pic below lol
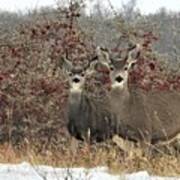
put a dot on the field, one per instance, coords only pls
(34, 90)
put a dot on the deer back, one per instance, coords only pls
(164, 109)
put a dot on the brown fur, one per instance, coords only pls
(142, 116)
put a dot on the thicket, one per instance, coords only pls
(33, 88)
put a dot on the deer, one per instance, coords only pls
(145, 117)
(89, 118)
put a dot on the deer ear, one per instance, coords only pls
(100, 59)
(102, 55)
(133, 56)
(66, 65)
(90, 68)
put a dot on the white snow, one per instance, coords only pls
(26, 171)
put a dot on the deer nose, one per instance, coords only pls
(119, 79)
(76, 80)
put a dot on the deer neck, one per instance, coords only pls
(119, 97)
(75, 97)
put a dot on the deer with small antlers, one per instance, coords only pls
(88, 117)
(146, 117)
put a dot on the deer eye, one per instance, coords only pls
(70, 74)
(82, 74)
(111, 68)
(125, 68)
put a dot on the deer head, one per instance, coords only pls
(78, 72)
(119, 68)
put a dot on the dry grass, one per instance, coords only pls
(85, 155)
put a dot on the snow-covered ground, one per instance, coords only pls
(26, 171)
